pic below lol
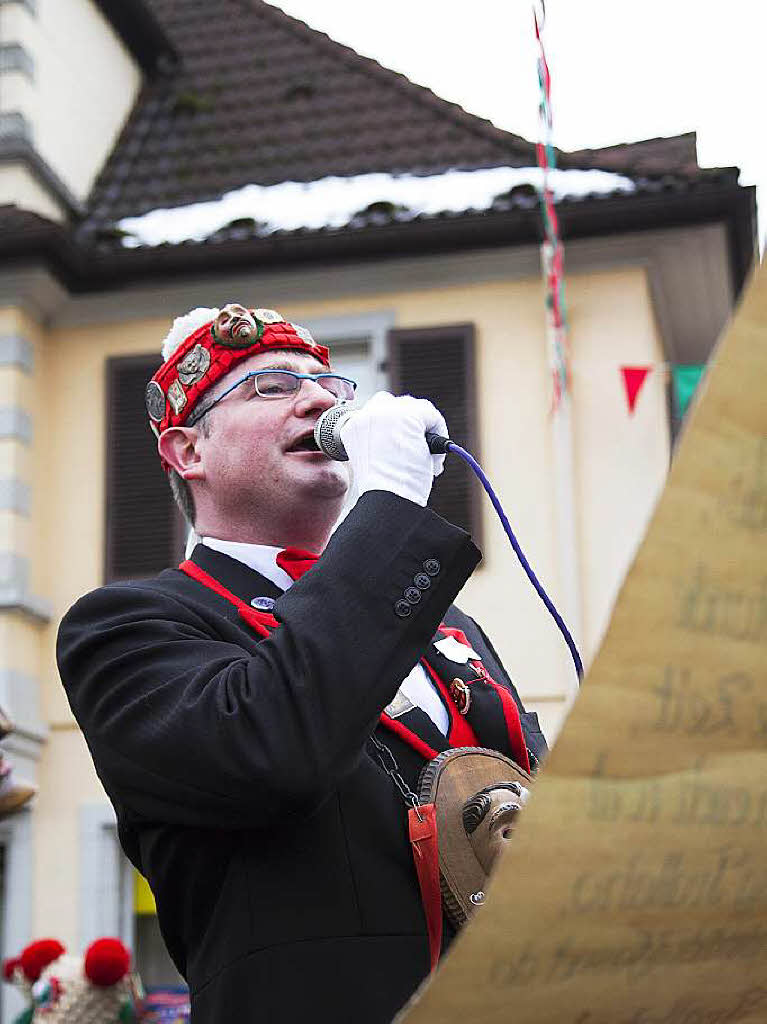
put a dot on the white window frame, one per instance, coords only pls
(106, 879)
(16, 838)
(372, 328)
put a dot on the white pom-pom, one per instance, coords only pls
(185, 325)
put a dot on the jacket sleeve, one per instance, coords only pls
(188, 728)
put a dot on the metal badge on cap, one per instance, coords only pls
(154, 397)
(194, 365)
(304, 334)
(176, 396)
(268, 316)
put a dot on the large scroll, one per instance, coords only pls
(635, 889)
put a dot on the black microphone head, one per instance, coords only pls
(327, 433)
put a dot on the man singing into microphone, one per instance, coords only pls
(260, 715)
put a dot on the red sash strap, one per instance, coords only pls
(262, 622)
(513, 723)
(422, 826)
(409, 737)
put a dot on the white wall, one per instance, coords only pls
(83, 86)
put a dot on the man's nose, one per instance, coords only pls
(312, 397)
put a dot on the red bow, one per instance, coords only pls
(296, 562)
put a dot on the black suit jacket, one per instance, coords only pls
(275, 845)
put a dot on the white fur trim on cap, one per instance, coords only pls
(185, 325)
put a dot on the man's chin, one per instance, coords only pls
(326, 479)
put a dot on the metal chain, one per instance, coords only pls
(383, 755)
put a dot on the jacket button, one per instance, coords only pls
(422, 581)
(403, 608)
(412, 594)
(432, 566)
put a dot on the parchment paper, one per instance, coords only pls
(635, 889)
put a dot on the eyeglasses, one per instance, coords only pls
(283, 384)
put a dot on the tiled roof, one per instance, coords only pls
(255, 97)
(675, 155)
(259, 97)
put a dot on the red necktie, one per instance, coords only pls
(296, 562)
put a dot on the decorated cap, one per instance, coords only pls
(205, 344)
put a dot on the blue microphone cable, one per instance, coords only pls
(451, 446)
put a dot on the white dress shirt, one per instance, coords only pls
(416, 685)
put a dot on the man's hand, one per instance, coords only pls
(386, 444)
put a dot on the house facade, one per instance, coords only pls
(447, 303)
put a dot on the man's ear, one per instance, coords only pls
(179, 447)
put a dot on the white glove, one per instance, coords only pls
(386, 444)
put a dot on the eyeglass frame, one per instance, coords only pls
(253, 374)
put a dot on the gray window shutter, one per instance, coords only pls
(438, 363)
(143, 528)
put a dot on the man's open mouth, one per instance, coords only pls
(304, 444)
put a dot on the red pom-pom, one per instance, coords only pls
(10, 966)
(37, 955)
(106, 961)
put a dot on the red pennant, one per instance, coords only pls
(633, 379)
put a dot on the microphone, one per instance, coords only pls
(327, 435)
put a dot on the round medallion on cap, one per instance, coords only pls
(403, 608)
(422, 581)
(155, 401)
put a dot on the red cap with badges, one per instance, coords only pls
(211, 350)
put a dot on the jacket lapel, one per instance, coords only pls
(250, 588)
(243, 581)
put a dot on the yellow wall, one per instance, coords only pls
(67, 782)
(21, 638)
(621, 460)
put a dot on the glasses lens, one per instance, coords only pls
(276, 384)
(339, 386)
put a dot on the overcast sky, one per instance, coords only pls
(620, 71)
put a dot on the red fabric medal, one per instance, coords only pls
(422, 827)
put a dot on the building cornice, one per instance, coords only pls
(19, 150)
(95, 269)
(140, 31)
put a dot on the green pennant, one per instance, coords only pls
(686, 379)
